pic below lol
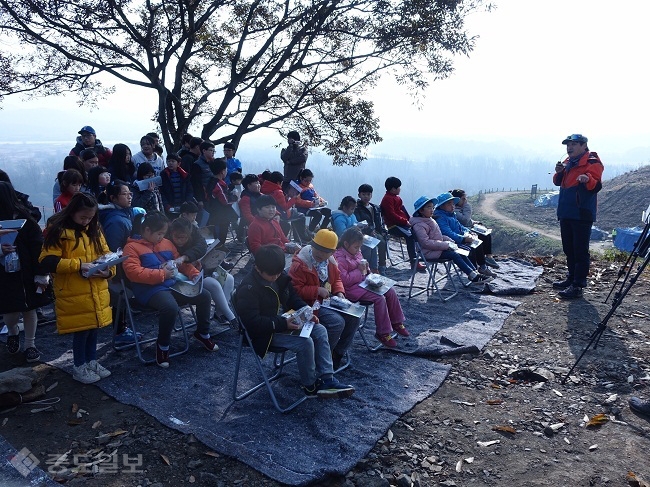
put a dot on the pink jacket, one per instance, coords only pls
(428, 235)
(351, 276)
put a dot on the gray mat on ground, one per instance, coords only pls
(320, 437)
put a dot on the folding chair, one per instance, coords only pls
(362, 324)
(432, 267)
(279, 361)
(124, 306)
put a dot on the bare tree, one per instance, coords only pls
(234, 66)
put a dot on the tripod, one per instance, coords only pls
(641, 247)
(631, 259)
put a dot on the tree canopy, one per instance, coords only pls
(230, 67)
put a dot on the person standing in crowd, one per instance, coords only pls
(189, 156)
(148, 154)
(121, 166)
(18, 275)
(24, 198)
(201, 175)
(579, 178)
(176, 188)
(294, 157)
(232, 163)
(71, 182)
(88, 140)
(73, 240)
(70, 162)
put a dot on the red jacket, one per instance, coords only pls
(393, 211)
(220, 192)
(305, 277)
(62, 201)
(275, 190)
(265, 232)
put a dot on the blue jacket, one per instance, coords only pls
(233, 164)
(450, 226)
(341, 221)
(117, 224)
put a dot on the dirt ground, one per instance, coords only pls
(486, 425)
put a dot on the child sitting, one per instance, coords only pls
(397, 218)
(316, 276)
(249, 195)
(452, 228)
(434, 244)
(463, 211)
(150, 198)
(257, 300)
(147, 266)
(371, 214)
(344, 217)
(70, 183)
(191, 245)
(265, 228)
(272, 186)
(176, 188)
(353, 268)
(310, 203)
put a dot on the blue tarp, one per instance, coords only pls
(597, 233)
(626, 238)
(548, 200)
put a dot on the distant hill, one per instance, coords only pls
(623, 199)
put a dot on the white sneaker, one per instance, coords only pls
(84, 375)
(102, 372)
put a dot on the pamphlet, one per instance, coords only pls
(355, 309)
(370, 242)
(462, 251)
(212, 257)
(189, 288)
(386, 284)
(306, 329)
(10, 237)
(104, 265)
(475, 243)
(144, 183)
(295, 186)
(482, 230)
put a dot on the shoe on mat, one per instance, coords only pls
(572, 292)
(13, 344)
(32, 354)
(312, 391)
(127, 337)
(491, 262)
(481, 279)
(486, 271)
(332, 388)
(162, 357)
(206, 342)
(102, 372)
(84, 375)
(226, 266)
(401, 329)
(639, 406)
(563, 284)
(386, 340)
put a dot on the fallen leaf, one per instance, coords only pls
(75, 421)
(117, 433)
(4, 421)
(390, 435)
(165, 459)
(504, 429)
(598, 420)
(192, 479)
(51, 387)
(557, 393)
(636, 480)
(469, 460)
(494, 402)
(593, 447)
(96, 425)
(212, 454)
(459, 465)
(75, 408)
(463, 403)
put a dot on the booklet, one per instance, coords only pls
(212, 257)
(144, 184)
(189, 288)
(482, 230)
(386, 284)
(475, 243)
(10, 237)
(370, 242)
(355, 309)
(104, 265)
(462, 251)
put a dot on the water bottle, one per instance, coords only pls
(12, 262)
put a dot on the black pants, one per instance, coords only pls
(316, 214)
(410, 242)
(575, 244)
(487, 243)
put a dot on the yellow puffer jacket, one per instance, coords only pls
(81, 304)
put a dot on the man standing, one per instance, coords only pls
(294, 157)
(232, 163)
(579, 178)
(88, 140)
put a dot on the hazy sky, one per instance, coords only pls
(541, 69)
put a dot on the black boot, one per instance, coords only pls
(572, 292)
(563, 284)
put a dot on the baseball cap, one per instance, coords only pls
(581, 139)
(87, 128)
